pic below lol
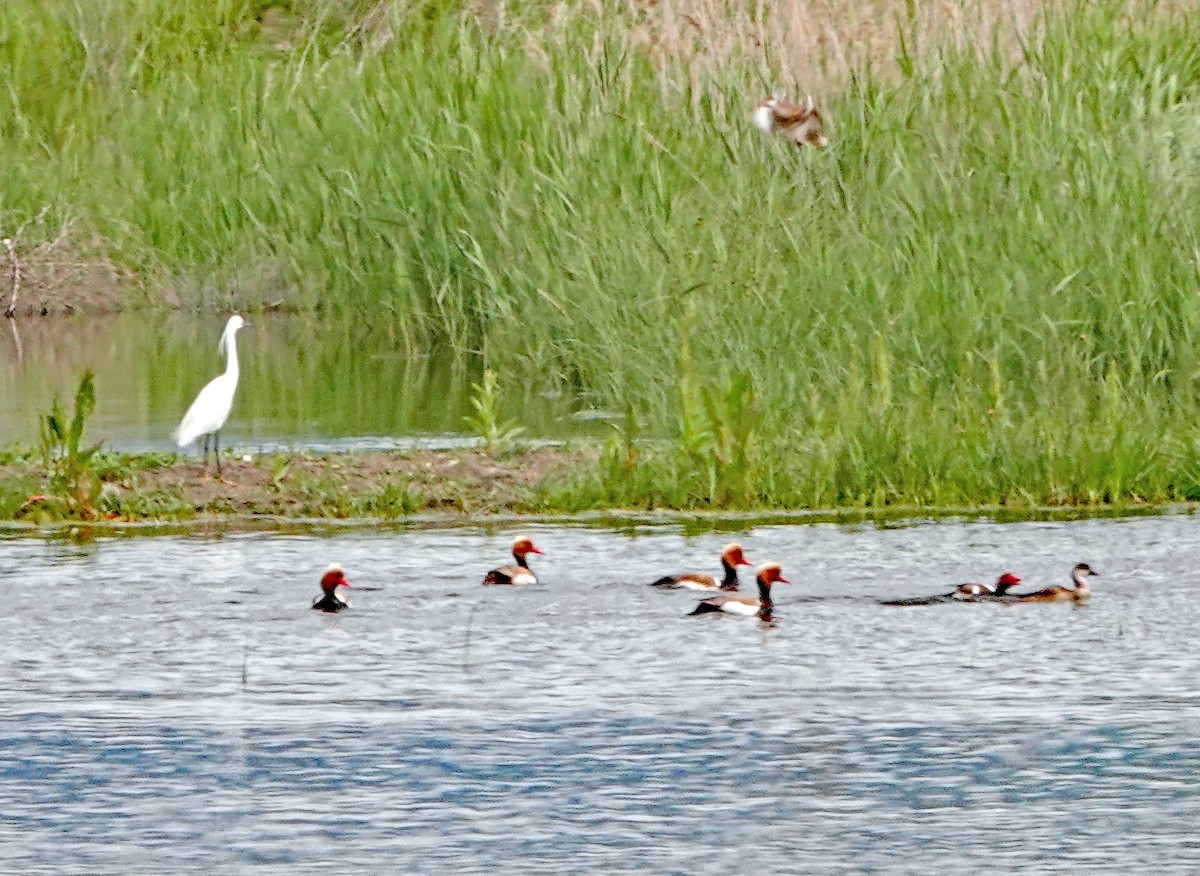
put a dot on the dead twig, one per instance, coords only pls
(11, 249)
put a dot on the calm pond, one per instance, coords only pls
(171, 704)
(321, 384)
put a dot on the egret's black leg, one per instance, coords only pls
(204, 458)
(217, 451)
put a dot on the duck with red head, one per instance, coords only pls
(520, 573)
(333, 590)
(969, 592)
(965, 593)
(731, 558)
(748, 606)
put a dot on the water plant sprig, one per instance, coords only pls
(486, 422)
(73, 483)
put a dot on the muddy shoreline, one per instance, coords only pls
(375, 485)
(152, 493)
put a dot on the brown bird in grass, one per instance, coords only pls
(799, 123)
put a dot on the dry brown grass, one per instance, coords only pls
(808, 44)
(814, 46)
(794, 47)
(58, 270)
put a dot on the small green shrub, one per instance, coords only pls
(73, 483)
(498, 435)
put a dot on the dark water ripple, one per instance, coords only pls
(170, 705)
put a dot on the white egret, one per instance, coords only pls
(210, 410)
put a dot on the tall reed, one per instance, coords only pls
(985, 291)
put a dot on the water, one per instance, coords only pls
(171, 705)
(331, 384)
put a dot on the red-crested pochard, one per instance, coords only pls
(333, 590)
(748, 606)
(970, 592)
(731, 558)
(965, 593)
(520, 573)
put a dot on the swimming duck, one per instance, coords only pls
(965, 593)
(748, 606)
(986, 591)
(1081, 591)
(731, 558)
(520, 573)
(333, 597)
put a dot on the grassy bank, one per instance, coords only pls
(416, 486)
(360, 486)
(985, 292)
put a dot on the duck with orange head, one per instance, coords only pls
(517, 574)
(748, 606)
(973, 592)
(731, 557)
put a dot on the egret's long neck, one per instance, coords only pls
(231, 359)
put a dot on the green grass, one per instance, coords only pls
(985, 292)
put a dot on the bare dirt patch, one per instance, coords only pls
(62, 273)
(363, 484)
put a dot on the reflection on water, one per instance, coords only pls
(171, 703)
(18, 346)
(326, 384)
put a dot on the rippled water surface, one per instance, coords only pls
(171, 704)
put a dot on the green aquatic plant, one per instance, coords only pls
(717, 436)
(281, 467)
(733, 414)
(620, 455)
(718, 424)
(633, 471)
(486, 422)
(391, 500)
(70, 470)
